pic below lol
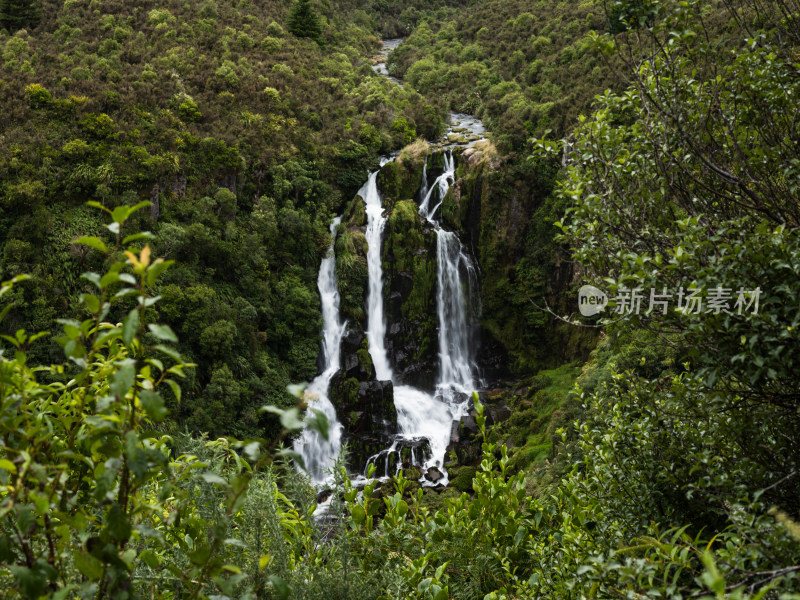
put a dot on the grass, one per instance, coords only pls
(415, 151)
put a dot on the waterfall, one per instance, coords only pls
(420, 415)
(423, 187)
(318, 454)
(441, 185)
(376, 323)
(455, 362)
(456, 280)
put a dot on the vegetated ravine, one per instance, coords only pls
(419, 432)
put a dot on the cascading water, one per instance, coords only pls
(441, 185)
(319, 454)
(376, 323)
(421, 416)
(422, 419)
(455, 360)
(423, 187)
(456, 282)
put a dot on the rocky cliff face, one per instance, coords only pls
(409, 270)
(505, 214)
(499, 217)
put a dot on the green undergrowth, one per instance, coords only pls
(540, 406)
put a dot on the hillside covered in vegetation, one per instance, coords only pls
(168, 179)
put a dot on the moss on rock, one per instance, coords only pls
(463, 480)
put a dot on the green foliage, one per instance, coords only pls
(246, 140)
(189, 111)
(523, 70)
(95, 499)
(723, 221)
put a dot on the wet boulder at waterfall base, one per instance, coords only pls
(434, 475)
(364, 406)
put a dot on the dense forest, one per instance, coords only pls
(169, 174)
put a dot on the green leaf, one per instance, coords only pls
(87, 564)
(162, 332)
(151, 559)
(95, 204)
(153, 404)
(318, 422)
(290, 418)
(171, 352)
(296, 389)
(158, 267)
(138, 236)
(121, 213)
(176, 389)
(122, 380)
(213, 478)
(117, 523)
(91, 302)
(130, 326)
(358, 514)
(92, 242)
(31, 583)
(281, 587)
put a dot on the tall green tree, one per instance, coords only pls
(19, 14)
(303, 20)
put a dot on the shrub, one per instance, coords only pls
(188, 110)
(38, 95)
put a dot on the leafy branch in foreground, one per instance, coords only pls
(93, 502)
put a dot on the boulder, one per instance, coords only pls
(433, 475)
(468, 427)
(497, 414)
(352, 340)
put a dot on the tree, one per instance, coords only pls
(303, 21)
(19, 14)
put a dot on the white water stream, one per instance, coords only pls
(319, 454)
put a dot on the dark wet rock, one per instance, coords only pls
(385, 461)
(497, 414)
(492, 359)
(433, 475)
(323, 495)
(352, 339)
(364, 406)
(366, 410)
(413, 452)
(455, 432)
(464, 447)
(409, 257)
(452, 397)
(468, 427)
